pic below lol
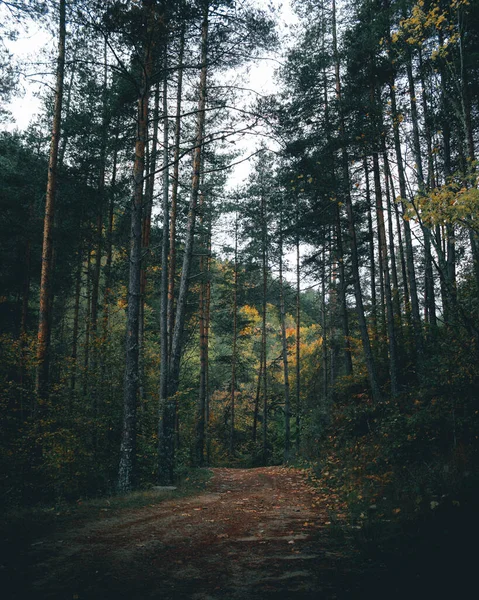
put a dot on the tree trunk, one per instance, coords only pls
(86, 345)
(207, 336)
(166, 413)
(234, 345)
(166, 443)
(44, 327)
(392, 251)
(372, 258)
(264, 261)
(150, 168)
(411, 274)
(348, 363)
(287, 400)
(257, 396)
(174, 194)
(201, 409)
(393, 363)
(128, 439)
(76, 314)
(298, 334)
(370, 363)
(109, 249)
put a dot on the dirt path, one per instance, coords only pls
(253, 534)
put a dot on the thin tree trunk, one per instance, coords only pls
(166, 414)
(257, 396)
(263, 324)
(298, 333)
(348, 363)
(76, 315)
(109, 249)
(126, 469)
(207, 336)
(324, 345)
(429, 282)
(287, 400)
(402, 259)
(235, 341)
(392, 250)
(101, 203)
(393, 362)
(372, 258)
(368, 355)
(44, 327)
(174, 194)
(411, 274)
(201, 409)
(166, 443)
(24, 323)
(86, 345)
(150, 168)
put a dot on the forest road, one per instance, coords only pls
(252, 534)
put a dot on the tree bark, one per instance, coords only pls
(126, 469)
(76, 315)
(235, 341)
(166, 414)
(174, 194)
(393, 362)
(368, 355)
(264, 261)
(166, 442)
(411, 273)
(287, 399)
(44, 327)
(298, 333)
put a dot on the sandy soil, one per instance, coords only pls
(253, 534)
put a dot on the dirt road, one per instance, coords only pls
(252, 534)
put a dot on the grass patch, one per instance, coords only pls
(20, 527)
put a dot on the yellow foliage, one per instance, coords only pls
(252, 315)
(455, 203)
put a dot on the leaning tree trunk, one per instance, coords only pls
(44, 327)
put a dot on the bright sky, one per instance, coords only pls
(31, 41)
